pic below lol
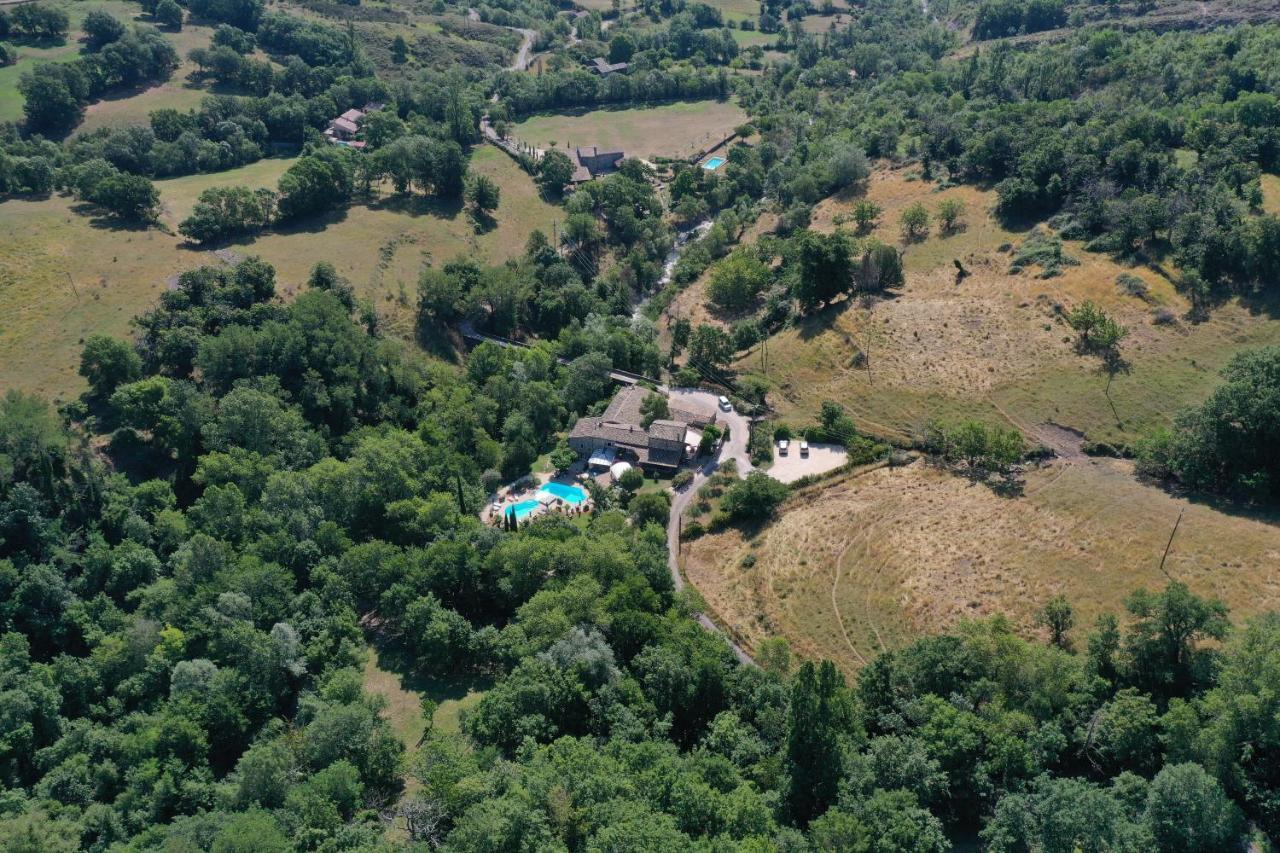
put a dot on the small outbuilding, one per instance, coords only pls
(618, 469)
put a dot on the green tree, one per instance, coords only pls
(650, 508)
(1163, 648)
(710, 347)
(754, 497)
(100, 29)
(126, 196)
(555, 169)
(950, 214)
(654, 407)
(865, 214)
(1227, 444)
(1188, 812)
(399, 50)
(621, 48)
(915, 222)
(317, 182)
(483, 193)
(224, 212)
(50, 103)
(106, 363)
(820, 718)
(822, 267)
(1084, 319)
(881, 268)
(169, 14)
(1059, 618)
(737, 281)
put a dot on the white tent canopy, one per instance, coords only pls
(602, 458)
(617, 469)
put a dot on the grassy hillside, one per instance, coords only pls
(871, 562)
(995, 345)
(46, 247)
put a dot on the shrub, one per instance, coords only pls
(753, 498)
(1044, 251)
(681, 479)
(1131, 285)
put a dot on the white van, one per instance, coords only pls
(725, 405)
(783, 444)
(804, 447)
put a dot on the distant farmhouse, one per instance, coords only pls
(343, 129)
(592, 162)
(619, 434)
(604, 68)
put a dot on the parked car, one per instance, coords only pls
(804, 448)
(725, 405)
(783, 444)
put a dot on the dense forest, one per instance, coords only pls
(182, 639)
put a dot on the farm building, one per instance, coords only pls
(592, 162)
(660, 447)
(604, 68)
(343, 129)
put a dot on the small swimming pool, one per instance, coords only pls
(521, 510)
(571, 495)
(713, 164)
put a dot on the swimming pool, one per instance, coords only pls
(521, 510)
(713, 164)
(571, 495)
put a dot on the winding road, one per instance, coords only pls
(521, 62)
(734, 448)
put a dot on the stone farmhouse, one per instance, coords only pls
(604, 68)
(592, 162)
(343, 129)
(660, 448)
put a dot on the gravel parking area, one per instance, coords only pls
(793, 466)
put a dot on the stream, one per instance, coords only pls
(683, 239)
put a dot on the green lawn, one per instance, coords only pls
(178, 195)
(28, 57)
(751, 38)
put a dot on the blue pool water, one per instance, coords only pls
(571, 495)
(522, 509)
(713, 164)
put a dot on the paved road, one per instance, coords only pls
(521, 61)
(736, 449)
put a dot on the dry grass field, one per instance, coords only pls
(671, 130)
(995, 346)
(1271, 193)
(873, 560)
(65, 275)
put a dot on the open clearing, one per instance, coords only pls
(65, 276)
(995, 346)
(126, 107)
(672, 130)
(874, 560)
